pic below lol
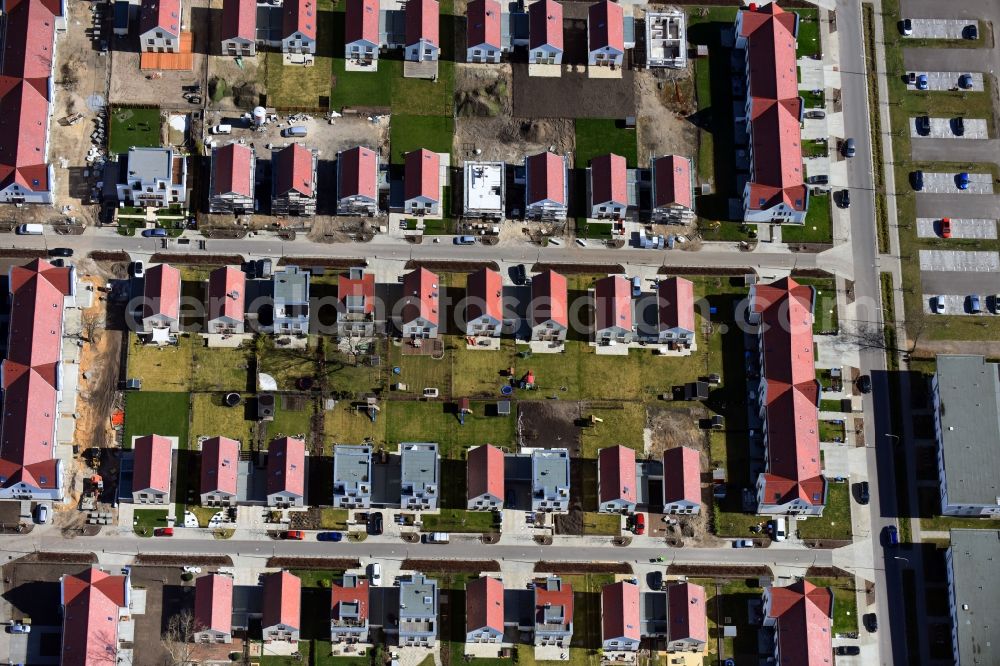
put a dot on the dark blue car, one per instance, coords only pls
(892, 535)
(329, 536)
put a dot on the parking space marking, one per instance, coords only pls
(959, 261)
(930, 227)
(944, 128)
(940, 28)
(940, 183)
(959, 304)
(941, 81)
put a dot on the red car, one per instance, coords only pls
(163, 531)
(945, 227)
(640, 523)
(295, 535)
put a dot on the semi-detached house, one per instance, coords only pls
(613, 317)
(549, 307)
(483, 31)
(151, 470)
(232, 181)
(293, 180)
(160, 310)
(361, 32)
(485, 478)
(422, 183)
(352, 476)
(616, 480)
(681, 480)
(286, 473)
(213, 609)
(227, 287)
(298, 27)
(239, 28)
(349, 610)
(357, 181)
(676, 312)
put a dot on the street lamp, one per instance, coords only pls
(899, 557)
(895, 437)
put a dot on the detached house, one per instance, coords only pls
(485, 478)
(151, 470)
(422, 28)
(213, 609)
(152, 177)
(232, 181)
(550, 480)
(673, 190)
(298, 27)
(606, 34)
(421, 302)
(681, 481)
(356, 304)
(422, 183)
(801, 616)
(616, 480)
(227, 294)
(613, 311)
(621, 621)
(553, 612)
(239, 28)
(420, 476)
(547, 191)
(361, 32)
(352, 476)
(484, 610)
(161, 300)
(418, 609)
(545, 33)
(549, 308)
(293, 180)
(160, 26)
(484, 304)
(94, 605)
(286, 472)
(220, 458)
(676, 312)
(608, 187)
(281, 620)
(483, 31)
(357, 182)
(349, 610)
(687, 618)
(291, 301)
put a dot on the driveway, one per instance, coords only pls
(958, 205)
(950, 150)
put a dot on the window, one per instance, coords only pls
(477, 53)
(149, 41)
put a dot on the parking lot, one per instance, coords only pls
(944, 128)
(949, 81)
(959, 261)
(940, 183)
(959, 304)
(930, 227)
(941, 28)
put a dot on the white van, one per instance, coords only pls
(780, 529)
(222, 129)
(30, 230)
(438, 537)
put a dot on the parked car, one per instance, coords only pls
(137, 269)
(163, 532)
(847, 650)
(743, 543)
(974, 304)
(871, 622)
(818, 180)
(61, 252)
(42, 514)
(965, 81)
(962, 181)
(437, 537)
(863, 493)
(917, 180)
(294, 535)
(906, 27)
(375, 523)
(937, 304)
(848, 148)
(330, 536)
(970, 31)
(375, 574)
(154, 233)
(945, 227)
(996, 304)
(636, 287)
(640, 524)
(923, 124)
(865, 383)
(19, 628)
(779, 529)
(298, 131)
(958, 126)
(922, 83)
(465, 240)
(816, 114)
(192, 570)
(891, 535)
(843, 199)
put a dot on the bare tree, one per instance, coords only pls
(179, 639)
(92, 324)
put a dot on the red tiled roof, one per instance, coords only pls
(153, 458)
(162, 292)
(561, 597)
(219, 460)
(613, 303)
(286, 466)
(282, 600)
(422, 174)
(358, 173)
(485, 472)
(162, 15)
(802, 612)
(421, 295)
(361, 19)
(239, 19)
(484, 294)
(673, 181)
(606, 25)
(546, 177)
(232, 170)
(771, 45)
(484, 604)
(608, 180)
(545, 24)
(422, 17)
(359, 594)
(620, 611)
(483, 24)
(676, 303)
(227, 293)
(213, 603)
(365, 287)
(616, 471)
(299, 16)
(293, 170)
(549, 299)
(681, 475)
(91, 601)
(794, 471)
(34, 350)
(686, 612)
(28, 34)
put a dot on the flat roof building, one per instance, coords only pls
(352, 476)
(419, 476)
(484, 189)
(550, 480)
(973, 563)
(418, 609)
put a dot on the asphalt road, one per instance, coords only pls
(947, 60)
(944, 282)
(956, 150)
(957, 205)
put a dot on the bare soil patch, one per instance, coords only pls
(580, 269)
(507, 139)
(196, 259)
(709, 571)
(450, 566)
(582, 567)
(664, 100)
(483, 90)
(676, 425)
(183, 560)
(549, 423)
(452, 266)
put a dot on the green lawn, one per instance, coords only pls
(287, 366)
(418, 372)
(458, 520)
(845, 602)
(946, 523)
(290, 422)
(133, 127)
(586, 229)
(164, 368)
(835, 523)
(830, 431)
(204, 513)
(363, 89)
(295, 86)
(825, 310)
(210, 417)
(423, 97)
(830, 405)
(602, 524)
(410, 132)
(219, 368)
(435, 421)
(345, 424)
(808, 37)
(152, 413)
(619, 426)
(333, 519)
(818, 227)
(146, 520)
(597, 136)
